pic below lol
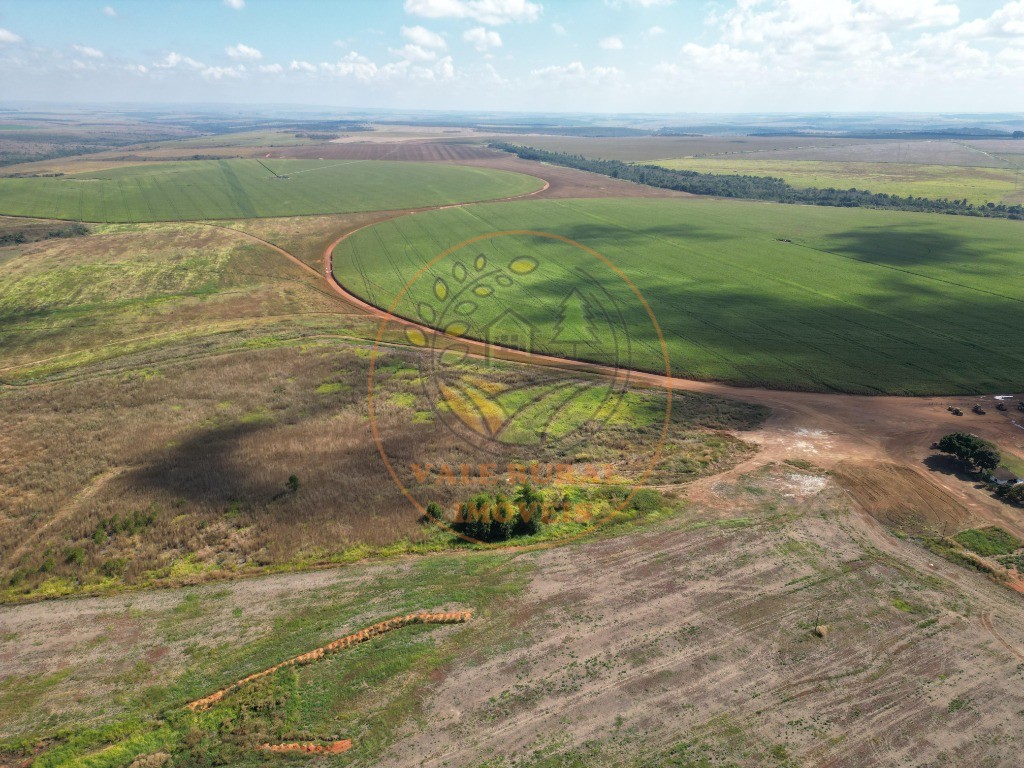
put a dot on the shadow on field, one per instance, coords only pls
(206, 468)
(909, 247)
(594, 235)
(950, 465)
(897, 339)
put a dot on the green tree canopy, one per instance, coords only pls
(972, 449)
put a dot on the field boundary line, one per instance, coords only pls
(343, 643)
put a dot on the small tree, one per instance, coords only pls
(293, 483)
(433, 512)
(531, 503)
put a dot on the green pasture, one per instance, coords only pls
(236, 189)
(750, 293)
(977, 185)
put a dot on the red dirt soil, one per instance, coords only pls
(334, 748)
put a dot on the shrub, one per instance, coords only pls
(114, 568)
(988, 541)
(432, 513)
(74, 555)
(646, 500)
(127, 525)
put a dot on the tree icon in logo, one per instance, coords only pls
(575, 327)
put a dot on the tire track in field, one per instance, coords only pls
(67, 510)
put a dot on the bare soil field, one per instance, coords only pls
(415, 150)
(692, 641)
(900, 498)
(699, 643)
(919, 151)
(646, 148)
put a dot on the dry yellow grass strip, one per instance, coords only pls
(455, 617)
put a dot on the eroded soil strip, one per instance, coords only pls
(333, 748)
(456, 617)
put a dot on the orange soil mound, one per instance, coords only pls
(338, 746)
(456, 617)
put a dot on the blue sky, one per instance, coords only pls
(522, 55)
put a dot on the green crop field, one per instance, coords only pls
(750, 293)
(234, 189)
(978, 185)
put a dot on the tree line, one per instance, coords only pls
(759, 187)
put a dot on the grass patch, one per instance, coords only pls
(236, 189)
(988, 541)
(977, 185)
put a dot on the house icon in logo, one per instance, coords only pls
(509, 329)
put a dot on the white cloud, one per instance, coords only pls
(219, 73)
(445, 68)
(423, 37)
(492, 12)
(88, 52)
(655, 31)
(1012, 58)
(852, 53)
(411, 52)
(1006, 22)
(612, 43)
(137, 69)
(558, 28)
(638, 3)
(356, 66)
(719, 55)
(243, 52)
(236, 4)
(108, 10)
(353, 64)
(271, 69)
(494, 76)
(913, 13)
(6, 36)
(576, 72)
(482, 39)
(173, 60)
(804, 33)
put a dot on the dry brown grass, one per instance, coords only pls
(196, 454)
(163, 382)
